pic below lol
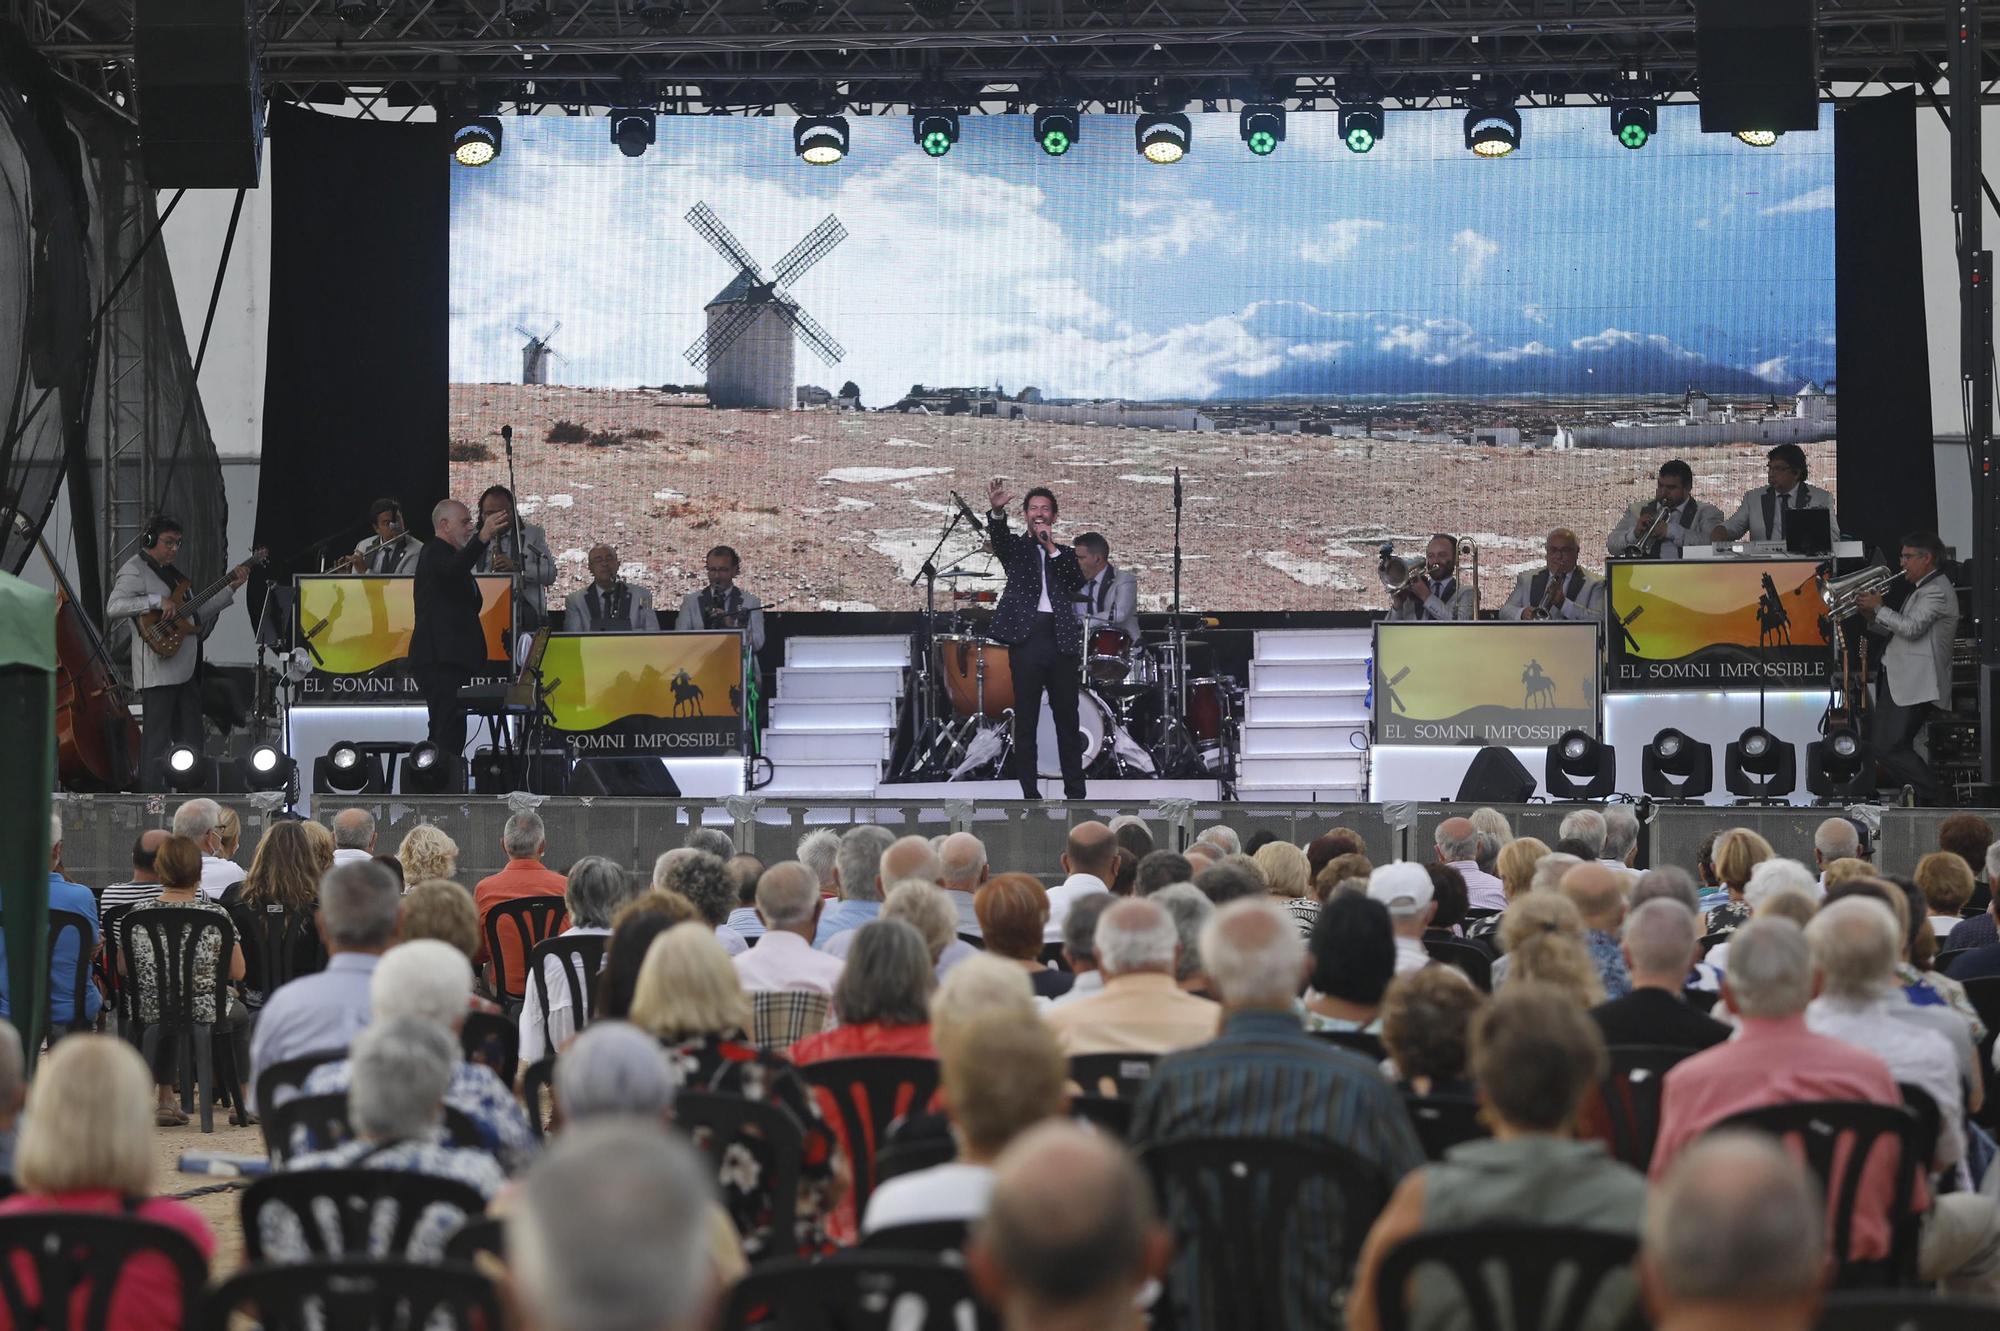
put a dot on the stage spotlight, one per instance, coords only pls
(346, 770)
(1164, 139)
(820, 140)
(1760, 138)
(476, 141)
(794, 11)
(1262, 128)
(527, 17)
(1758, 765)
(633, 129)
(187, 768)
(360, 13)
(1361, 126)
(1840, 767)
(1634, 123)
(1676, 767)
(425, 771)
(1057, 128)
(267, 767)
(659, 15)
(935, 129)
(1580, 768)
(934, 10)
(1492, 131)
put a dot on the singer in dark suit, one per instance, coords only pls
(1037, 620)
(446, 642)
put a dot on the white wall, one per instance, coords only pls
(232, 375)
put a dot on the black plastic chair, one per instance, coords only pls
(279, 945)
(1822, 1127)
(1052, 955)
(117, 988)
(1110, 1116)
(1533, 1258)
(319, 1123)
(68, 921)
(1368, 1046)
(173, 934)
(1472, 961)
(492, 1041)
(538, 1094)
(72, 1252)
(530, 920)
(1630, 1098)
(479, 1234)
(1709, 942)
(898, 1157)
(1112, 1076)
(1216, 1191)
(862, 1097)
(933, 1236)
(352, 1200)
(1872, 1310)
(581, 956)
(865, 1290)
(1930, 1121)
(1946, 957)
(356, 1295)
(1444, 1121)
(283, 1080)
(717, 1122)
(974, 941)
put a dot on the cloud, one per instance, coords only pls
(1534, 314)
(1812, 201)
(1511, 355)
(1317, 351)
(1476, 250)
(1340, 240)
(1183, 227)
(1773, 369)
(1616, 339)
(1433, 341)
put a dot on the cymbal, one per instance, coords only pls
(965, 573)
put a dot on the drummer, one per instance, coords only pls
(1109, 597)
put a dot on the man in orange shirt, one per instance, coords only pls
(525, 841)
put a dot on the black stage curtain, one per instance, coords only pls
(356, 401)
(1887, 484)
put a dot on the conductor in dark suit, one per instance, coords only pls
(447, 643)
(1037, 620)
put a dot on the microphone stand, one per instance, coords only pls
(926, 718)
(1175, 743)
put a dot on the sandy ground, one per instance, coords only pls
(218, 1208)
(836, 510)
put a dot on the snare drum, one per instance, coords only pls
(1109, 659)
(975, 671)
(1207, 707)
(1093, 718)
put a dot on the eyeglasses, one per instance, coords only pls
(1563, 549)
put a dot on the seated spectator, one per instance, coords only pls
(1080, 946)
(283, 880)
(1331, 876)
(1427, 1026)
(1970, 837)
(593, 892)
(1585, 826)
(13, 1094)
(200, 821)
(1013, 912)
(322, 838)
(633, 929)
(744, 871)
(1671, 882)
(1516, 866)
(1129, 830)
(882, 1000)
(1621, 838)
(1125, 878)
(1737, 852)
(525, 841)
(441, 909)
(983, 984)
(961, 869)
(1222, 837)
(86, 1147)
(430, 981)
(70, 950)
(179, 866)
(1142, 1009)
(427, 851)
(394, 868)
(1661, 943)
(144, 884)
(1331, 845)
(1494, 827)
(1704, 865)
(1980, 930)
(353, 836)
(703, 879)
(1090, 858)
(614, 1233)
(1456, 845)
(1770, 879)
(1190, 910)
(816, 850)
(1287, 875)
(1160, 869)
(399, 1072)
(1231, 878)
(1835, 838)
(788, 911)
(359, 911)
(1353, 952)
(614, 1068)
(1545, 941)
(710, 841)
(1598, 893)
(1935, 1002)
(998, 1077)
(857, 874)
(1947, 885)
(1405, 892)
(688, 998)
(923, 906)
(1535, 1059)
(1449, 903)
(1070, 1236)
(1733, 1238)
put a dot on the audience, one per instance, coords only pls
(427, 851)
(71, 951)
(1080, 946)
(1947, 885)
(1221, 836)
(1981, 930)
(1132, 834)
(1125, 877)
(1405, 891)
(1340, 841)
(633, 929)
(1448, 902)
(1494, 834)
(1970, 837)
(1287, 875)
(962, 870)
(1621, 837)
(883, 998)
(1142, 1010)
(1598, 893)
(1090, 859)
(1162, 868)
(1013, 914)
(593, 892)
(1337, 873)
(441, 909)
(1661, 942)
(744, 871)
(788, 911)
(1190, 911)
(703, 879)
(1456, 845)
(1834, 839)
(1734, 1239)
(1231, 878)
(1427, 1026)
(857, 873)
(525, 841)
(200, 821)
(1545, 940)
(283, 880)
(1586, 826)
(919, 903)
(353, 836)
(1738, 851)
(145, 883)
(179, 865)
(13, 1094)
(1353, 950)
(1516, 865)
(816, 850)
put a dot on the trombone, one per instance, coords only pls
(1841, 596)
(1468, 560)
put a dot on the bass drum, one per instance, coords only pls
(1093, 718)
(960, 661)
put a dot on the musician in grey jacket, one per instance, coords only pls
(608, 603)
(1670, 522)
(722, 604)
(169, 686)
(1109, 597)
(1916, 664)
(389, 548)
(1761, 515)
(522, 550)
(1559, 589)
(1435, 594)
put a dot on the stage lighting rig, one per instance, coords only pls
(1760, 138)
(794, 11)
(1262, 128)
(1361, 126)
(935, 129)
(1634, 123)
(1676, 766)
(350, 769)
(187, 768)
(476, 140)
(1492, 131)
(634, 129)
(1840, 768)
(659, 15)
(1163, 139)
(934, 10)
(1580, 768)
(1760, 766)
(360, 13)
(525, 18)
(820, 140)
(1057, 128)
(425, 771)
(268, 767)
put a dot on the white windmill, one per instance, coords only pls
(536, 354)
(747, 350)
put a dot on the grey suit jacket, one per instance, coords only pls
(1750, 516)
(1454, 603)
(403, 562)
(578, 619)
(1678, 535)
(139, 589)
(1917, 660)
(690, 617)
(1121, 602)
(536, 570)
(1587, 603)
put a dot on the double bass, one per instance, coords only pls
(97, 741)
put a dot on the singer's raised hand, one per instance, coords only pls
(495, 523)
(996, 495)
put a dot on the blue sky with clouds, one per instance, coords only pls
(1574, 265)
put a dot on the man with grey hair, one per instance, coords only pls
(1263, 1076)
(200, 821)
(612, 1232)
(360, 911)
(353, 836)
(909, 857)
(1080, 947)
(857, 873)
(1836, 839)
(613, 1067)
(788, 904)
(1621, 836)
(1142, 1010)
(526, 841)
(1159, 869)
(1231, 878)
(1405, 891)
(711, 839)
(816, 850)
(962, 869)
(1734, 1237)
(1190, 911)
(1222, 837)
(1661, 939)
(1457, 844)
(1587, 826)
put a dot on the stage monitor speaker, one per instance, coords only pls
(622, 776)
(1756, 64)
(1496, 777)
(201, 111)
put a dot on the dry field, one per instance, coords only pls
(836, 511)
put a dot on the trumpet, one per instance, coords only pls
(1841, 596)
(1548, 605)
(1396, 573)
(1468, 559)
(1651, 531)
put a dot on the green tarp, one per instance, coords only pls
(27, 780)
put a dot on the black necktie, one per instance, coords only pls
(1099, 580)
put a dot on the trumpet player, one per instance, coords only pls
(1559, 589)
(1916, 664)
(1433, 592)
(1658, 528)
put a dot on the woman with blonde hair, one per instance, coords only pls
(1737, 851)
(427, 851)
(1543, 935)
(1515, 869)
(283, 880)
(688, 997)
(228, 832)
(86, 1146)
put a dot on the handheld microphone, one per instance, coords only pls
(507, 438)
(966, 509)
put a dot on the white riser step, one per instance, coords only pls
(814, 778)
(1297, 794)
(1277, 739)
(892, 651)
(1315, 644)
(1330, 706)
(857, 746)
(868, 714)
(823, 682)
(1285, 676)
(1315, 771)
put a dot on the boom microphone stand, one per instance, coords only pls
(1176, 752)
(930, 730)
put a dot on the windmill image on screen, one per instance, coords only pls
(747, 350)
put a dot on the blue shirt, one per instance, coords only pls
(842, 916)
(74, 897)
(314, 1014)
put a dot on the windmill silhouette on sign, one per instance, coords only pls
(1625, 629)
(536, 354)
(1389, 688)
(747, 348)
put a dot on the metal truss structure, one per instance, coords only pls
(883, 56)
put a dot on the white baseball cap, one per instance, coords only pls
(1404, 888)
